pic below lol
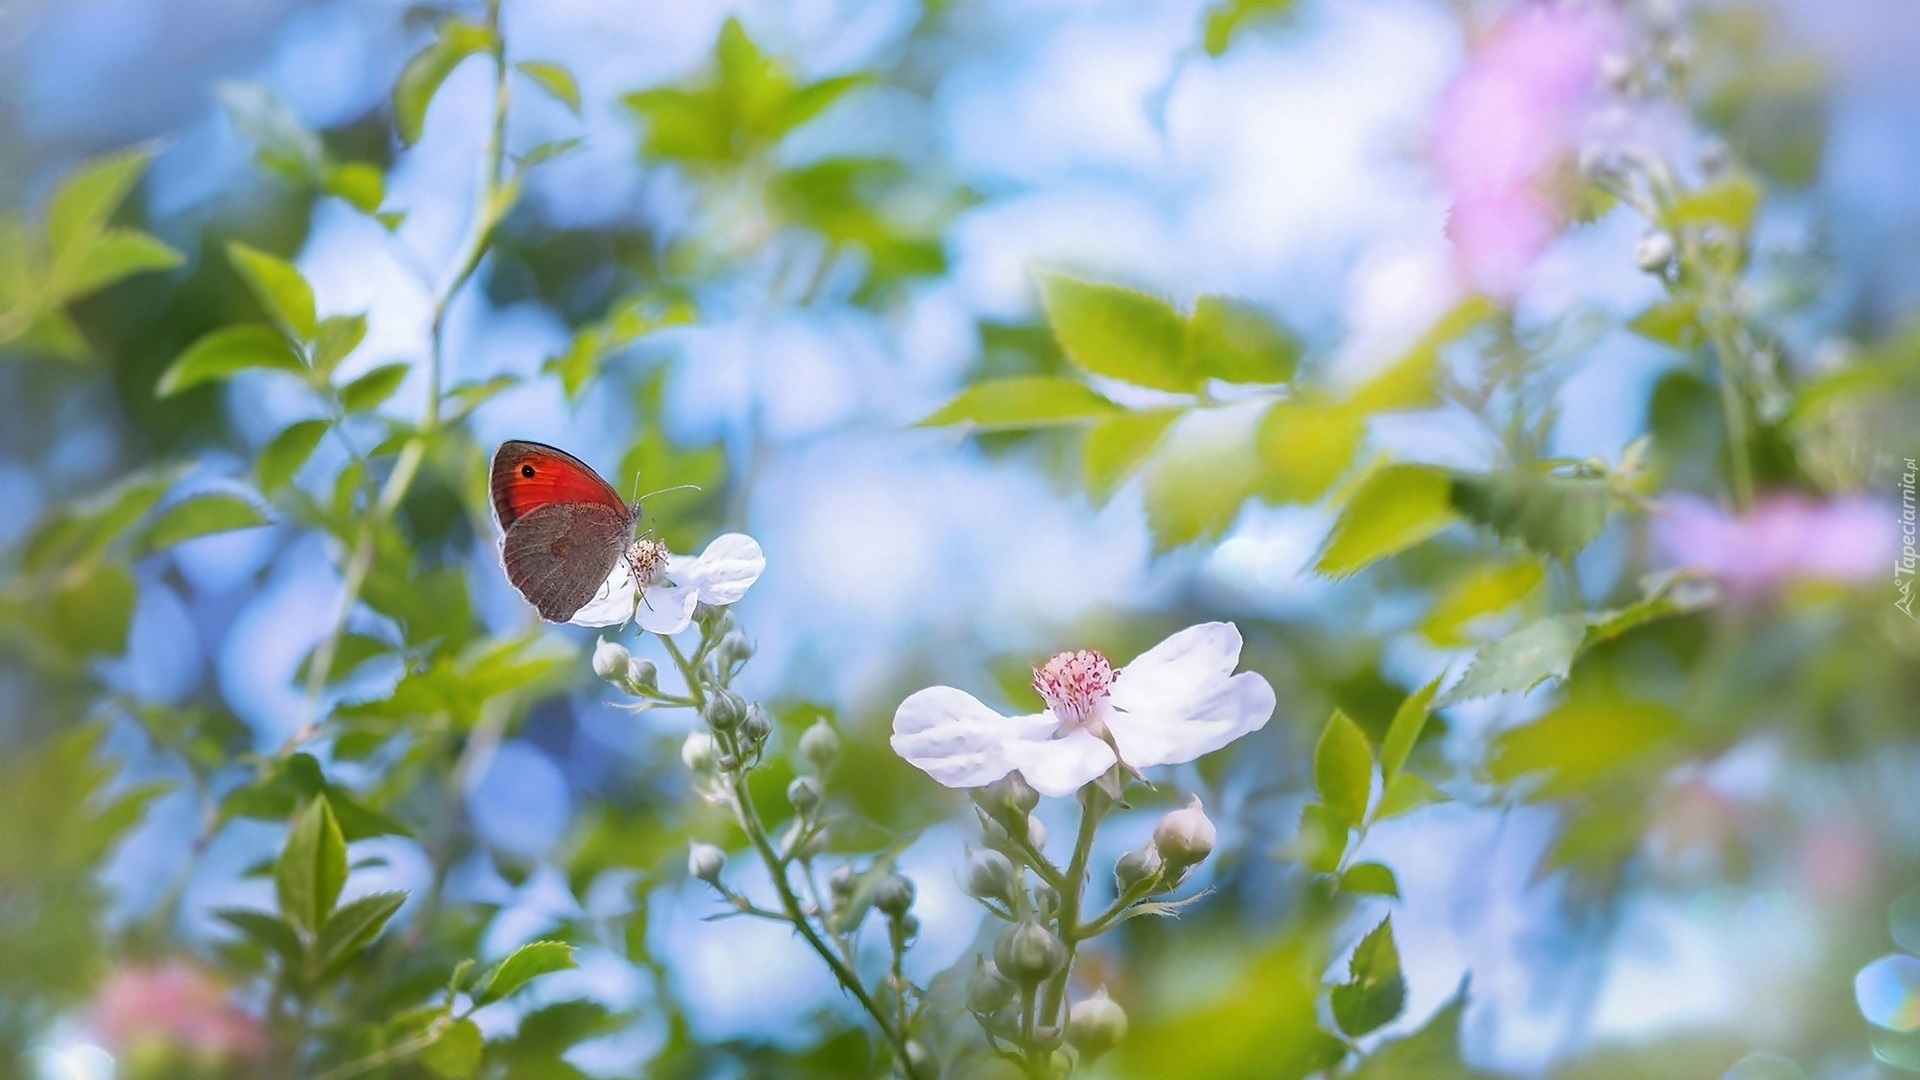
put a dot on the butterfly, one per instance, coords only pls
(564, 530)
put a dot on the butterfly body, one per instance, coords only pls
(564, 529)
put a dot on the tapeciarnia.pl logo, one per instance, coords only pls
(1903, 567)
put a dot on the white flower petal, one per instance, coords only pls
(1180, 699)
(949, 735)
(1059, 767)
(666, 609)
(613, 604)
(724, 571)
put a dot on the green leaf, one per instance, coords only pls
(1670, 322)
(1407, 793)
(83, 532)
(1523, 659)
(1408, 721)
(360, 185)
(312, 867)
(1409, 382)
(1553, 515)
(1343, 769)
(268, 930)
(1483, 590)
(526, 963)
(200, 515)
(1196, 487)
(283, 293)
(227, 352)
(421, 78)
(335, 339)
(91, 614)
(555, 79)
(1370, 878)
(1117, 445)
(1237, 342)
(1307, 445)
(282, 457)
(281, 143)
(1119, 333)
(376, 386)
(812, 99)
(118, 253)
(1580, 743)
(86, 198)
(1731, 201)
(1026, 401)
(456, 1053)
(353, 927)
(1227, 18)
(1431, 1053)
(1394, 509)
(1375, 991)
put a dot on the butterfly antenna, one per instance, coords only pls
(677, 487)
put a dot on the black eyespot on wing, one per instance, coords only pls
(526, 470)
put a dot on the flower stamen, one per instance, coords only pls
(1074, 686)
(647, 561)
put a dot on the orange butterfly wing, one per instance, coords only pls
(529, 475)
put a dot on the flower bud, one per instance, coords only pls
(1046, 900)
(1185, 837)
(756, 725)
(1007, 800)
(1049, 1037)
(1654, 252)
(733, 649)
(1036, 832)
(710, 614)
(643, 674)
(1096, 1025)
(990, 876)
(988, 991)
(610, 660)
(704, 861)
(1028, 953)
(697, 753)
(894, 895)
(909, 925)
(725, 710)
(820, 746)
(841, 883)
(1138, 868)
(803, 795)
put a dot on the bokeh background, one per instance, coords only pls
(797, 297)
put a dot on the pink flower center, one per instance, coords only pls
(647, 560)
(1073, 684)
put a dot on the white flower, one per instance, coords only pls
(659, 590)
(1177, 701)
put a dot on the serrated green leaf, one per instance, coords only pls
(353, 927)
(1306, 446)
(95, 263)
(1120, 333)
(1522, 660)
(1407, 793)
(455, 1054)
(90, 615)
(312, 867)
(1026, 401)
(1236, 342)
(1731, 201)
(282, 457)
(1392, 510)
(358, 184)
(1370, 878)
(1579, 743)
(1408, 721)
(1555, 516)
(86, 198)
(281, 289)
(1117, 445)
(526, 963)
(421, 78)
(371, 389)
(268, 930)
(1431, 1053)
(200, 515)
(227, 352)
(1343, 769)
(555, 79)
(1375, 990)
(335, 339)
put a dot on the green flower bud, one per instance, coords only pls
(1028, 953)
(643, 674)
(841, 882)
(1654, 252)
(988, 991)
(1007, 800)
(990, 876)
(1046, 900)
(1138, 867)
(725, 710)
(756, 725)
(1096, 1025)
(803, 795)
(697, 753)
(909, 927)
(733, 649)
(894, 895)
(1185, 837)
(820, 746)
(610, 660)
(704, 861)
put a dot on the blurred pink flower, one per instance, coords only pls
(1785, 538)
(177, 1006)
(1504, 124)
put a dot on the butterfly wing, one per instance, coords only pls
(558, 555)
(529, 475)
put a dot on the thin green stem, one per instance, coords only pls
(1739, 459)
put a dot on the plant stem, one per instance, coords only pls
(1739, 460)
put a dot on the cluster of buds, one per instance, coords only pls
(613, 662)
(1181, 841)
